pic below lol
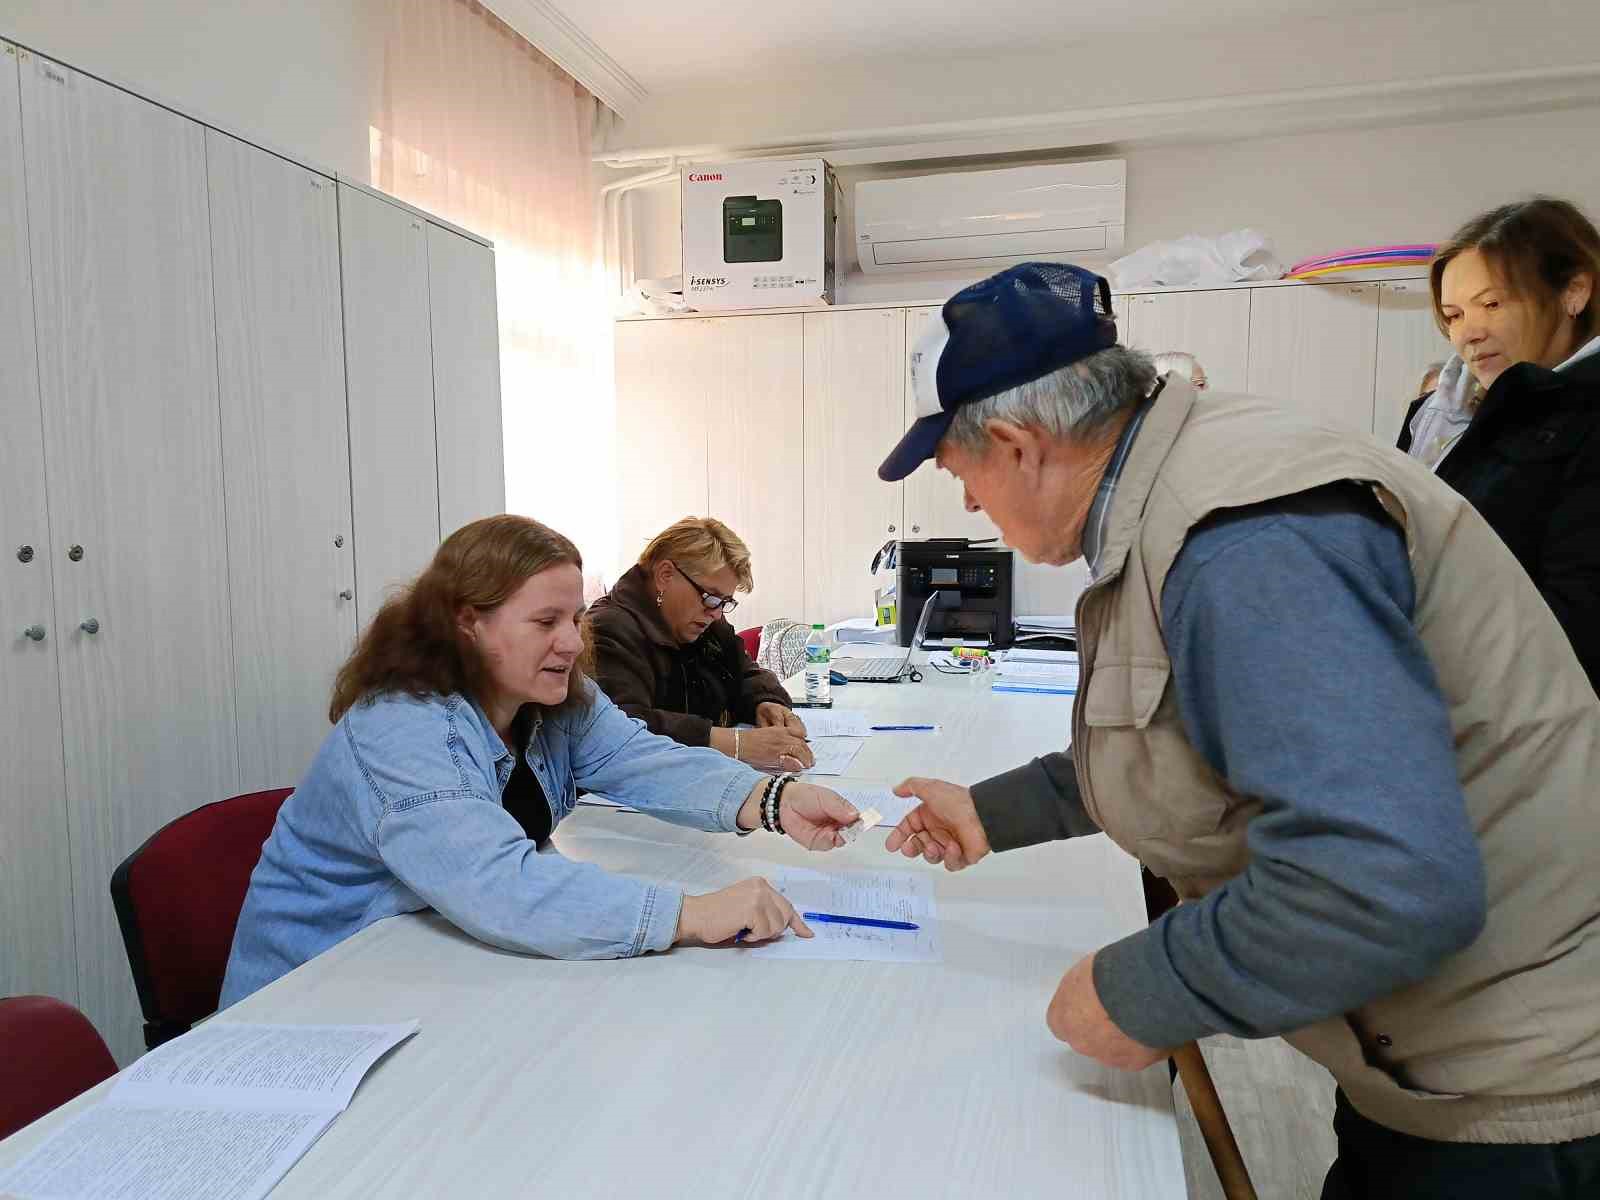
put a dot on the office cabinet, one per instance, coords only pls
(122, 290)
(661, 427)
(755, 410)
(35, 869)
(854, 413)
(1409, 342)
(1214, 326)
(280, 352)
(1314, 348)
(466, 380)
(394, 463)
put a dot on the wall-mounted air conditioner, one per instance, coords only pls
(974, 219)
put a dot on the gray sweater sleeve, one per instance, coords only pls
(1035, 803)
(1302, 682)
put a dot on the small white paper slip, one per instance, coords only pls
(891, 809)
(866, 818)
(884, 895)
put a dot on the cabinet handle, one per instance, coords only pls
(24, 554)
(916, 529)
(75, 553)
(891, 529)
(89, 625)
(347, 594)
(34, 633)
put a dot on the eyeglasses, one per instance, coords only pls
(712, 601)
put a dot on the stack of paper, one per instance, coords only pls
(1056, 631)
(225, 1110)
(1027, 674)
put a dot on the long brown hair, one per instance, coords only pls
(414, 645)
(1536, 246)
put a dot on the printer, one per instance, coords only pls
(974, 587)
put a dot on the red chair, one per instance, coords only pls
(752, 642)
(51, 1053)
(178, 898)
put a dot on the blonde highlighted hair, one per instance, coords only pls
(701, 546)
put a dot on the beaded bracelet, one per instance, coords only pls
(767, 806)
(777, 802)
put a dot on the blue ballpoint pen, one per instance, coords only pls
(870, 922)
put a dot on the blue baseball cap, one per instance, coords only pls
(1017, 326)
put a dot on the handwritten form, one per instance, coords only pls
(833, 755)
(882, 895)
(223, 1111)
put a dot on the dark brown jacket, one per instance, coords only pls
(680, 691)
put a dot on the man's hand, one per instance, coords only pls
(1077, 1017)
(771, 714)
(943, 828)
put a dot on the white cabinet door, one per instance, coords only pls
(286, 450)
(394, 470)
(855, 385)
(1122, 308)
(935, 502)
(1212, 326)
(1314, 348)
(466, 379)
(35, 870)
(128, 379)
(662, 369)
(1409, 342)
(755, 439)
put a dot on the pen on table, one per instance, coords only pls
(870, 922)
(903, 728)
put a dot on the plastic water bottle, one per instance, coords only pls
(818, 664)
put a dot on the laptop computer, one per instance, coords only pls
(887, 668)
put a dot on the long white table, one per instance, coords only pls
(712, 1073)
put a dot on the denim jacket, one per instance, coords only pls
(401, 811)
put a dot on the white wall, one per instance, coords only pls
(1311, 193)
(1416, 41)
(303, 75)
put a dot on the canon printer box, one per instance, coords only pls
(758, 234)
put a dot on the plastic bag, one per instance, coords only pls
(1196, 261)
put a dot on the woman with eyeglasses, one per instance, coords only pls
(665, 653)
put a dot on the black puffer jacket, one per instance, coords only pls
(1530, 463)
(680, 691)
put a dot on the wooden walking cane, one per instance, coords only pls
(1213, 1122)
(1204, 1102)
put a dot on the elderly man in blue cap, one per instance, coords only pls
(1321, 698)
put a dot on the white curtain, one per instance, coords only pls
(477, 126)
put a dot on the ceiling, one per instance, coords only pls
(704, 43)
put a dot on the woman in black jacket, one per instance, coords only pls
(1514, 291)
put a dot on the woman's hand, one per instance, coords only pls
(943, 828)
(771, 714)
(752, 907)
(774, 749)
(813, 815)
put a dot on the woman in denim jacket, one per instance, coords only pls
(464, 726)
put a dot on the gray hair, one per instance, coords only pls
(1074, 402)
